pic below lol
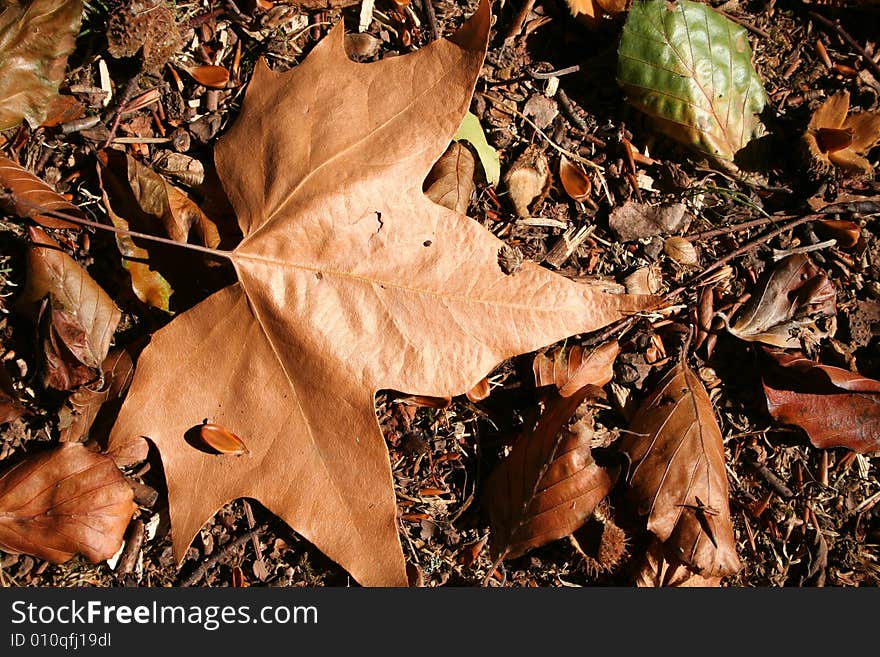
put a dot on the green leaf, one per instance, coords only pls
(690, 70)
(35, 40)
(472, 132)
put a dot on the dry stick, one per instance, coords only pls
(624, 324)
(127, 95)
(837, 27)
(433, 25)
(715, 232)
(205, 566)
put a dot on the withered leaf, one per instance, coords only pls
(79, 318)
(25, 195)
(451, 181)
(83, 405)
(677, 476)
(573, 368)
(659, 569)
(350, 280)
(635, 221)
(62, 502)
(835, 407)
(788, 300)
(548, 485)
(35, 39)
(10, 407)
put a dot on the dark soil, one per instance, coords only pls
(802, 516)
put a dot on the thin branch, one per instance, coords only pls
(837, 27)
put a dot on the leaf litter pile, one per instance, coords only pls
(439, 293)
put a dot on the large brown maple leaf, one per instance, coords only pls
(350, 281)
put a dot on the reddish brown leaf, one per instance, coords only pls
(677, 476)
(548, 485)
(350, 281)
(659, 569)
(835, 407)
(571, 369)
(25, 195)
(575, 182)
(451, 181)
(63, 109)
(10, 407)
(79, 319)
(83, 405)
(35, 39)
(788, 300)
(62, 502)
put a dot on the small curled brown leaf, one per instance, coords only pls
(25, 195)
(572, 369)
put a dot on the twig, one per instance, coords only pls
(772, 480)
(431, 15)
(746, 24)
(837, 27)
(538, 75)
(126, 96)
(230, 547)
(134, 540)
(569, 111)
(715, 232)
(518, 21)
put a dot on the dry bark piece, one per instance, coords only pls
(548, 485)
(25, 195)
(62, 502)
(658, 569)
(35, 39)
(786, 304)
(835, 407)
(836, 138)
(79, 319)
(82, 407)
(528, 180)
(451, 180)
(636, 221)
(572, 369)
(575, 182)
(677, 476)
(350, 280)
(148, 27)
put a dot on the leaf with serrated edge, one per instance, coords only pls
(62, 502)
(35, 40)
(677, 476)
(350, 281)
(548, 485)
(689, 69)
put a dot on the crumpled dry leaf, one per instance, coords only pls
(835, 137)
(82, 407)
(636, 221)
(62, 502)
(351, 281)
(659, 569)
(25, 195)
(786, 304)
(79, 319)
(835, 407)
(549, 484)
(677, 476)
(572, 369)
(451, 180)
(35, 39)
(689, 69)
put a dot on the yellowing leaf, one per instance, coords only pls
(471, 131)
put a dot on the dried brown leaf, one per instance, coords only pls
(451, 181)
(788, 300)
(35, 39)
(677, 476)
(835, 407)
(548, 485)
(659, 569)
(10, 407)
(62, 502)
(572, 369)
(636, 221)
(25, 195)
(79, 319)
(83, 405)
(350, 280)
